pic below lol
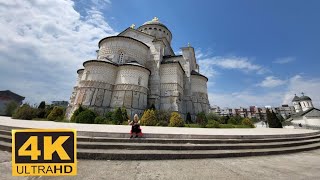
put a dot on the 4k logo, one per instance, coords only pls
(44, 152)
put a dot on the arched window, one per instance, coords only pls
(139, 81)
(121, 58)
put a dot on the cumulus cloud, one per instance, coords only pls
(299, 84)
(271, 82)
(243, 64)
(246, 98)
(284, 60)
(42, 45)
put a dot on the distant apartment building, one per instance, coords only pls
(60, 103)
(260, 113)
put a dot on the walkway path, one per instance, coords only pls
(7, 121)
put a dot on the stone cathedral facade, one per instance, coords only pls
(137, 69)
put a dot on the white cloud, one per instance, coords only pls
(232, 62)
(271, 81)
(284, 60)
(42, 45)
(298, 84)
(295, 85)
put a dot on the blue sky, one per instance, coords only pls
(254, 52)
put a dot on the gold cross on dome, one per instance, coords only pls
(132, 26)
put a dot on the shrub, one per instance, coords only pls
(117, 116)
(24, 112)
(188, 118)
(86, 116)
(247, 122)
(212, 124)
(202, 119)
(162, 117)
(226, 126)
(176, 120)
(236, 120)
(56, 114)
(192, 125)
(108, 115)
(125, 116)
(224, 119)
(10, 108)
(41, 113)
(213, 116)
(162, 123)
(148, 118)
(100, 120)
(76, 113)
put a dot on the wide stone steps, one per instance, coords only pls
(186, 154)
(114, 148)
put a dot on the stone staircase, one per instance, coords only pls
(112, 146)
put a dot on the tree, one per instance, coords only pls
(56, 114)
(42, 105)
(176, 120)
(86, 116)
(125, 116)
(273, 120)
(188, 118)
(202, 119)
(247, 122)
(162, 117)
(153, 107)
(213, 117)
(148, 118)
(10, 108)
(277, 120)
(117, 116)
(24, 112)
(76, 113)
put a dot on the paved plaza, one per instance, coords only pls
(290, 166)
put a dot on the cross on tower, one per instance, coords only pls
(302, 93)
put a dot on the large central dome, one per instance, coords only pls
(156, 29)
(155, 20)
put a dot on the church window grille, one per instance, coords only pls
(121, 58)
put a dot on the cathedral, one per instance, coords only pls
(138, 69)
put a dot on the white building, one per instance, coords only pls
(137, 69)
(306, 115)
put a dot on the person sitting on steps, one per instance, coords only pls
(135, 129)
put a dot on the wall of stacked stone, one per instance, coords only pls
(171, 87)
(132, 49)
(157, 31)
(99, 71)
(198, 84)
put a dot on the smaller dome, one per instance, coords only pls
(305, 98)
(155, 21)
(296, 99)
